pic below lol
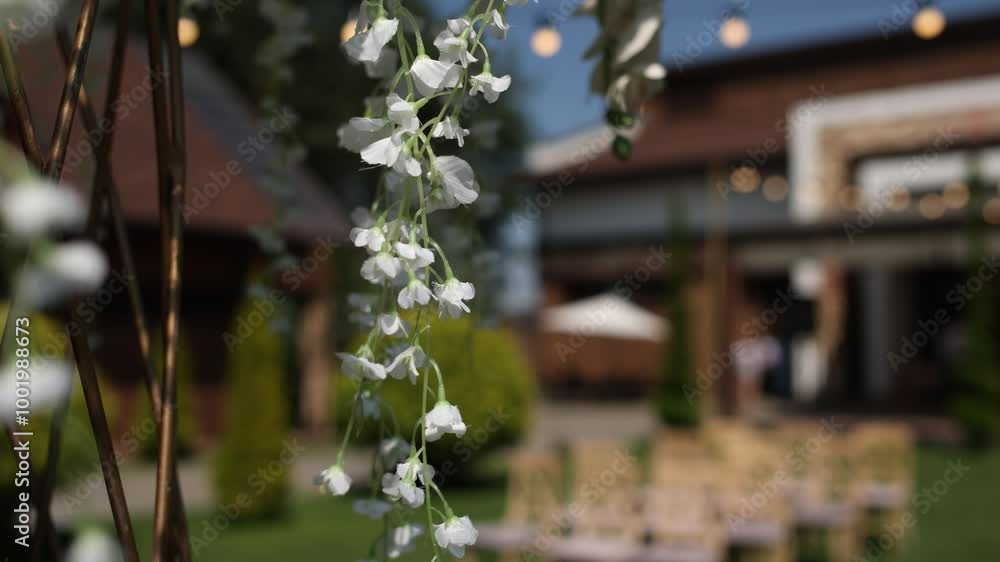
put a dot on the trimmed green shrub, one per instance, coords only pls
(487, 377)
(976, 399)
(187, 417)
(257, 423)
(678, 399)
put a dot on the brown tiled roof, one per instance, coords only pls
(209, 151)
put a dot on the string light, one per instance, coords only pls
(931, 206)
(929, 21)
(900, 199)
(735, 31)
(956, 195)
(187, 31)
(546, 41)
(745, 179)
(775, 188)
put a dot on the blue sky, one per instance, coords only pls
(554, 93)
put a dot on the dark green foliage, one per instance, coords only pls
(976, 399)
(678, 397)
(487, 377)
(257, 424)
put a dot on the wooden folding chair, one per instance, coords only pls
(831, 510)
(607, 524)
(532, 507)
(753, 506)
(886, 454)
(684, 525)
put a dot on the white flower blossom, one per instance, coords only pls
(415, 256)
(450, 129)
(73, 268)
(455, 534)
(403, 489)
(32, 208)
(444, 418)
(361, 368)
(458, 181)
(385, 67)
(381, 267)
(489, 85)
(402, 113)
(361, 132)
(383, 152)
(48, 387)
(430, 76)
(373, 509)
(391, 324)
(372, 238)
(403, 540)
(407, 363)
(402, 484)
(414, 293)
(393, 451)
(93, 546)
(453, 45)
(366, 46)
(451, 297)
(500, 26)
(334, 480)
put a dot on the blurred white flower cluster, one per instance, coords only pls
(415, 111)
(628, 69)
(35, 216)
(33, 211)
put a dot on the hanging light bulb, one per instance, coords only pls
(348, 29)
(187, 31)
(735, 30)
(929, 21)
(546, 40)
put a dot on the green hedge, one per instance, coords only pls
(678, 399)
(487, 377)
(257, 424)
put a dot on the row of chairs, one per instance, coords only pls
(695, 496)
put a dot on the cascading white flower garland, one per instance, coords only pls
(45, 272)
(405, 264)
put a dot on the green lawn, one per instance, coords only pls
(962, 525)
